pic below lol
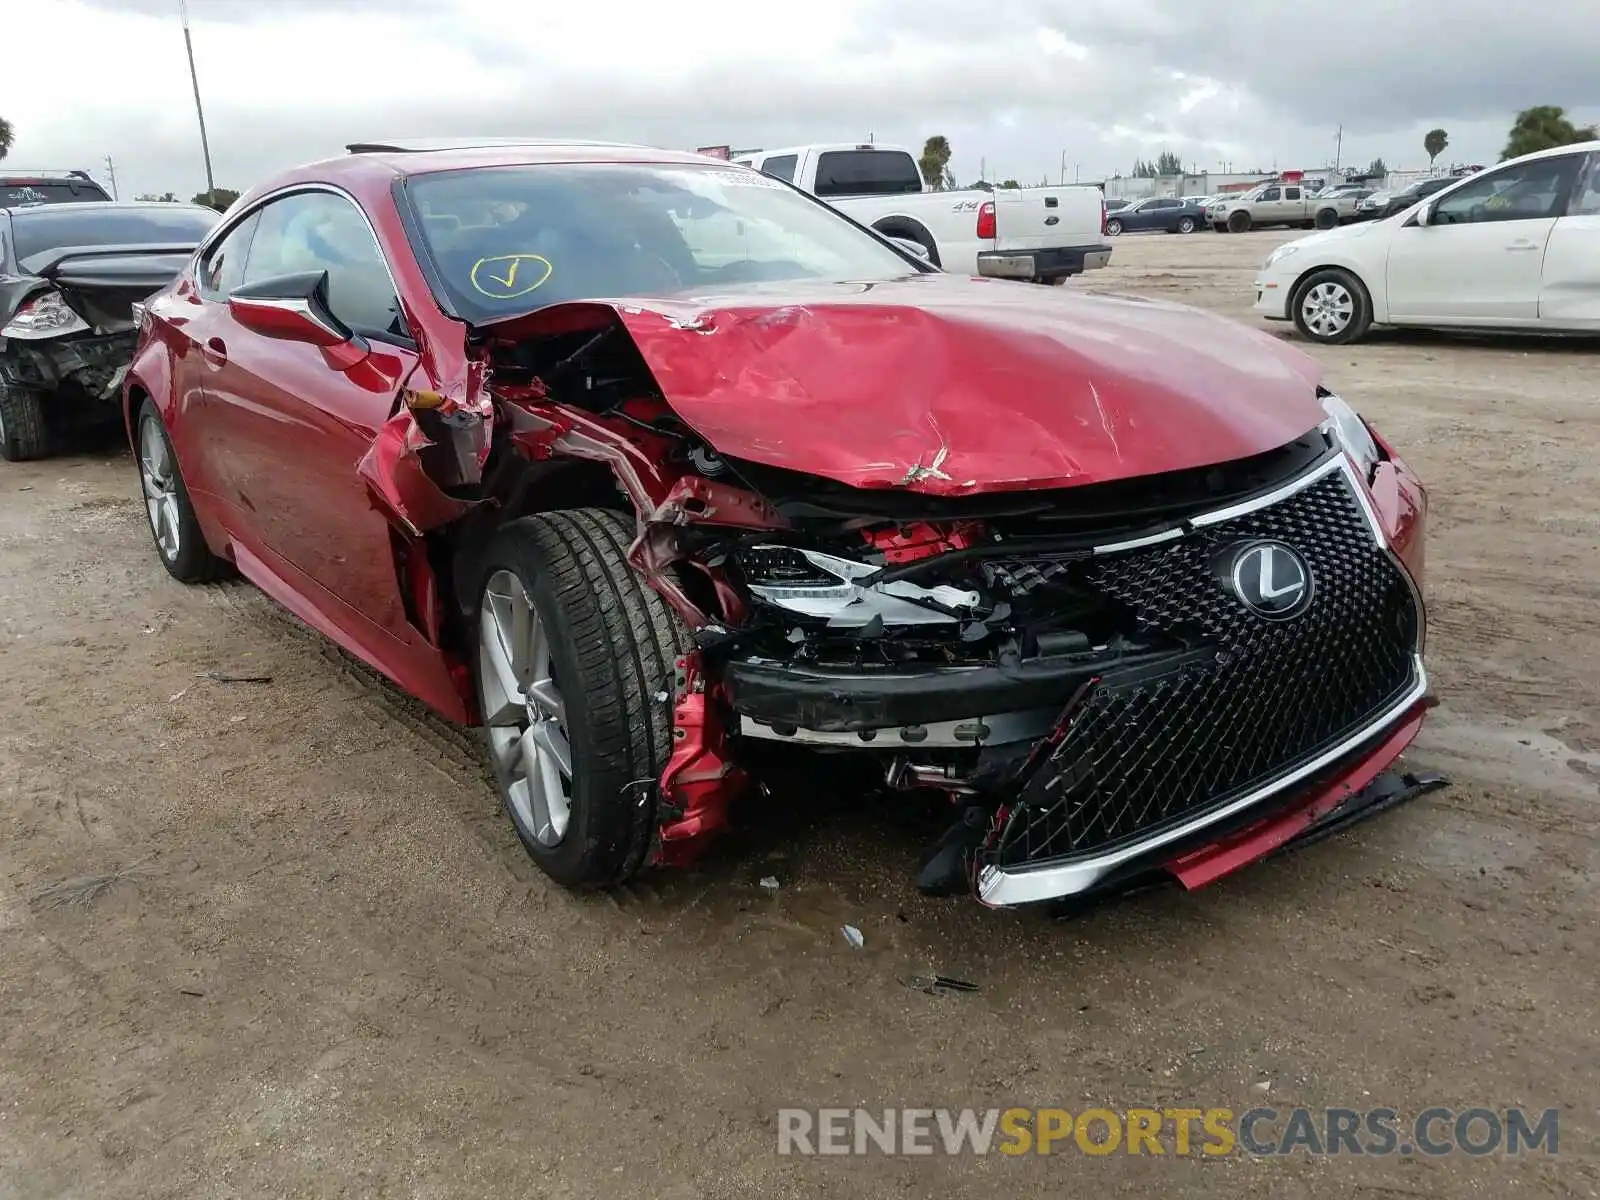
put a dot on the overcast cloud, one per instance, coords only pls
(1019, 88)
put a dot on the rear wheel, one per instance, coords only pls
(574, 653)
(173, 525)
(1327, 219)
(1238, 222)
(1114, 227)
(1332, 307)
(23, 433)
(1185, 224)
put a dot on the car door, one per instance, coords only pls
(193, 312)
(1292, 206)
(1268, 206)
(1479, 260)
(296, 426)
(1569, 292)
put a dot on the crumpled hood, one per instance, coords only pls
(948, 385)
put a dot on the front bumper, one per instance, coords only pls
(1047, 264)
(1273, 295)
(1134, 763)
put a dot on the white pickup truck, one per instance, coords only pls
(1042, 234)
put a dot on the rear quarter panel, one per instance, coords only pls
(951, 219)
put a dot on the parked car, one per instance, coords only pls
(1159, 212)
(1278, 204)
(18, 188)
(1379, 205)
(1515, 247)
(1043, 234)
(672, 529)
(1115, 206)
(70, 275)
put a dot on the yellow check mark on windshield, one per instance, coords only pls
(510, 276)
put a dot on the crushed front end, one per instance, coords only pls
(1101, 696)
(1172, 672)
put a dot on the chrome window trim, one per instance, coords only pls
(1000, 887)
(290, 189)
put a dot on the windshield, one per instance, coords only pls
(505, 240)
(40, 229)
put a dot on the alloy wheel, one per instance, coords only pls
(523, 709)
(1328, 309)
(158, 475)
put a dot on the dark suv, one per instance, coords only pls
(48, 188)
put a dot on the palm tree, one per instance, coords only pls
(6, 136)
(1434, 143)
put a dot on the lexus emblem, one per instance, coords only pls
(1271, 579)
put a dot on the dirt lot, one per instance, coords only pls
(326, 967)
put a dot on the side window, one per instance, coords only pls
(1525, 192)
(319, 231)
(223, 268)
(1586, 203)
(780, 166)
(1271, 194)
(1291, 193)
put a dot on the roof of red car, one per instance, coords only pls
(384, 160)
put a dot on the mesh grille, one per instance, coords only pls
(1257, 697)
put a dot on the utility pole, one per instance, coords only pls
(1063, 168)
(205, 146)
(1076, 167)
(1338, 148)
(983, 167)
(111, 170)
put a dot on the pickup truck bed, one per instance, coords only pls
(1044, 234)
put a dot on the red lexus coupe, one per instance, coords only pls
(673, 479)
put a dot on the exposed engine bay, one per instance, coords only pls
(1066, 665)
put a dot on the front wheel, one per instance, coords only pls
(1332, 307)
(1114, 227)
(574, 654)
(1239, 222)
(1185, 224)
(1327, 219)
(23, 432)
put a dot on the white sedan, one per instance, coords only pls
(1514, 247)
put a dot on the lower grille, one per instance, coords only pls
(1253, 698)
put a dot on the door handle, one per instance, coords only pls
(1523, 244)
(214, 352)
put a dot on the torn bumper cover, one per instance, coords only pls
(94, 362)
(1152, 751)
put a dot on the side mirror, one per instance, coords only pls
(911, 247)
(1425, 214)
(294, 308)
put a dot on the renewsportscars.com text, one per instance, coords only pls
(1180, 1132)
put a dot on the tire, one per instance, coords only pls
(1186, 225)
(611, 646)
(1317, 305)
(1327, 218)
(174, 529)
(1238, 222)
(1114, 227)
(1219, 227)
(23, 432)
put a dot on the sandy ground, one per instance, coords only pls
(325, 967)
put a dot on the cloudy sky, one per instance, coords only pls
(1019, 87)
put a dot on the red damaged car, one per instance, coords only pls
(672, 477)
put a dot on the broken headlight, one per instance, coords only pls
(47, 315)
(1351, 432)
